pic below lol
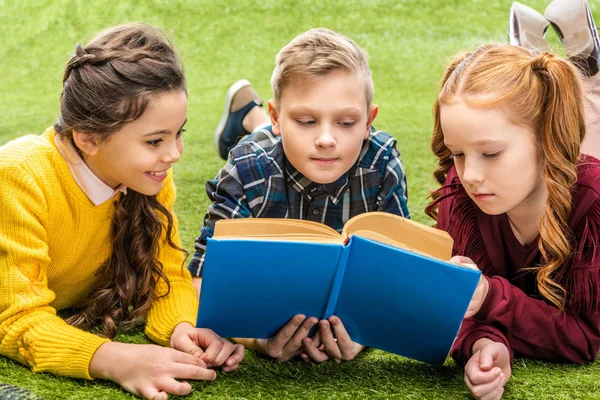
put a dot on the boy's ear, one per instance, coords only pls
(373, 110)
(274, 117)
(86, 142)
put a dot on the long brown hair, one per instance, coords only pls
(107, 84)
(544, 92)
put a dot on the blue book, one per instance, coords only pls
(387, 278)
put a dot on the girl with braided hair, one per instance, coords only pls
(522, 204)
(87, 223)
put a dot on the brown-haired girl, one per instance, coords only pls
(86, 222)
(523, 205)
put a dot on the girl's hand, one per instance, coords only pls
(324, 347)
(208, 346)
(488, 370)
(287, 343)
(147, 370)
(481, 291)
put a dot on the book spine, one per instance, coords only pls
(338, 278)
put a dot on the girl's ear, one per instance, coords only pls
(373, 110)
(274, 117)
(86, 142)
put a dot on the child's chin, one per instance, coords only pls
(324, 180)
(147, 191)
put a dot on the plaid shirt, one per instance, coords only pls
(259, 182)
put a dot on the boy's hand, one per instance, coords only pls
(481, 292)
(324, 346)
(208, 346)
(488, 370)
(287, 343)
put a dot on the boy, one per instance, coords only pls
(320, 160)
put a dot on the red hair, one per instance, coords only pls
(543, 92)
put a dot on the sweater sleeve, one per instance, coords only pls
(177, 303)
(527, 325)
(470, 332)
(537, 329)
(30, 331)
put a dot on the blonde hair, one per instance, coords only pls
(541, 91)
(316, 53)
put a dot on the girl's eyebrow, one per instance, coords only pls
(161, 131)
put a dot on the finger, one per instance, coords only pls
(470, 309)
(295, 343)
(235, 358)
(186, 344)
(204, 337)
(285, 334)
(316, 339)
(173, 386)
(153, 393)
(461, 260)
(226, 349)
(483, 390)
(479, 377)
(195, 351)
(186, 371)
(345, 344)
(330, 345)
(186, 358)
(212, 351)
(486, 359)
(496, 394)
(312, 352)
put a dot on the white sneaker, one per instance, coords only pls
(527, 28)
(575, 25)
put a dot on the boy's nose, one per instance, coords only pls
(325, 139)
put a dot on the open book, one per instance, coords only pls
(386, 277)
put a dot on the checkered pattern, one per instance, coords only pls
(259, 182)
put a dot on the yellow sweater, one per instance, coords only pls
(53, 240)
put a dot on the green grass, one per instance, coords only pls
(409, 43)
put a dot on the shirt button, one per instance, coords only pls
(316, 211)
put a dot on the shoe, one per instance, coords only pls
(527, 28)
(575, 26)
(241, 98)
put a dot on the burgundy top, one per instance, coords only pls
(514, 312)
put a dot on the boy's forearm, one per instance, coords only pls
(251, 344)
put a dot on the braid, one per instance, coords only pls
(107, 84)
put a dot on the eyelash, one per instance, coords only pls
(155, 143)
(312, 122)
(492, 155)
(486, 155)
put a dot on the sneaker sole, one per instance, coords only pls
(233, 89)
(520, 24)
(569, 28)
